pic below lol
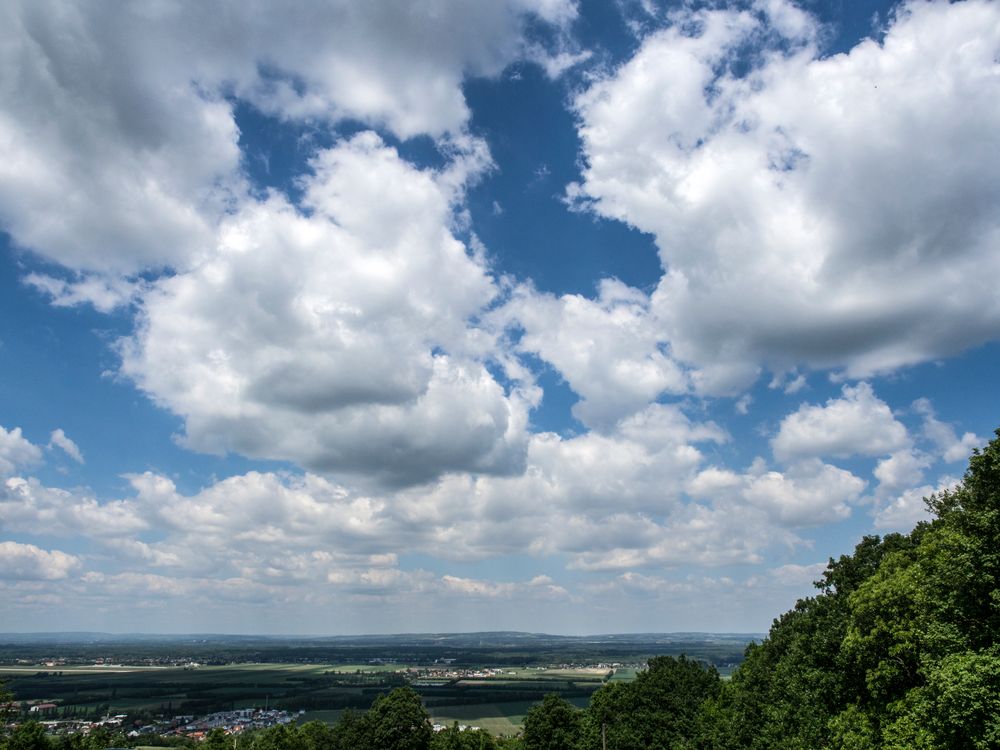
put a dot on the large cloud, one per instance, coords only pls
(28, 506)
(857, 424)
(835, 211)
(637, 500)
(605, 500)
(118, 146)
(808, 493)
(342, 339)
(607, 349)
(584, 495)
(638, 496)
(28, 562)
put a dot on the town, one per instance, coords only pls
(190, 726)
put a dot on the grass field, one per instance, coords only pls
(496, 718)
(329, 717)
(624, 675)
(74, 669)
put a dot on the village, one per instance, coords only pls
(190, 726)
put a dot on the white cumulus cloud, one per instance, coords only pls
(31, 563)
(16, 451)
(825, 211)
(342, 340)
(607, 349)
(856, 424)
(118, 144)
(951, 447)
(809, 493)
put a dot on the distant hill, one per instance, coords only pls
(486, 639)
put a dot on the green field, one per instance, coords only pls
(200, 690)
(328, 717)
(624, 674)
(496, 718)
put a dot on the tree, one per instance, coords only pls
(925, 628)
(98, 739)
(608, 720)
(900, 650)
(661, 708)
(215, 740)
(453, 738)
(349, 732)
(29, 735)
(280, 737)
(398, 721)
(553, 724)
(6, 703)
(316, 735)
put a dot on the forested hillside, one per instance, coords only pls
(898, 649)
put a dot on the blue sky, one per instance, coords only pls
(560, 316)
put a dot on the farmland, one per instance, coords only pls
(489, 681)
(315, 688)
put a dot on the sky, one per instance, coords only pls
(546, 315)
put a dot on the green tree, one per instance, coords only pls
(397, 721)
(29, 735)
(6, 703)
(216, 739)
(349, 731)
(281, 737)
(899, 650)
(608, 720)
(661, 708)
(925, 628)
(97, 739)
(316, 735)
(452, 738)
(963, 700)
(553, 724)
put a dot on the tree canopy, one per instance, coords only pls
(901, 647)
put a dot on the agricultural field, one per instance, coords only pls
(81, 691)
(486, 680)
(497, 702)
(496, 718)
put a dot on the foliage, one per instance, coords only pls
(453, 738)
(30, 735)
(661, 708)
(6, 702)
(397, 721)
(216, 740)
(900, 649)
(553, 724)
